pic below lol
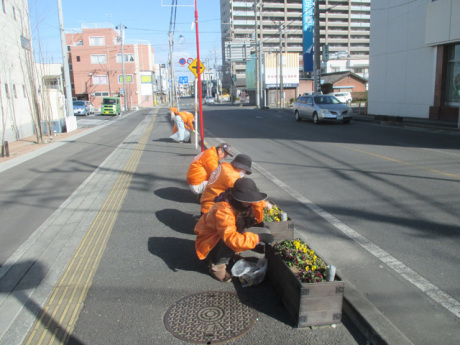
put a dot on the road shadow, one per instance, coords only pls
(177, 253)
(177, 220)
(27, 275)
(178, 195)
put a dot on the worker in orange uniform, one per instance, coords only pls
(227, 228)
(223, 177)
(204, 164)
(183, 123)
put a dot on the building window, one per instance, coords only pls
(7, 91)
(100, 94)
(128, 58)
(97, 41)
(78, 59)
(25, 43)
(100, 80)
(70, 66)
(14, 91)
(95, 59)
(129, 78)
(453, 74)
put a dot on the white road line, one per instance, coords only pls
(431, 290)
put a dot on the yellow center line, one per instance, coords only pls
(435, 171)
(54, 324)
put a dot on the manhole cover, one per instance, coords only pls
(211, 317)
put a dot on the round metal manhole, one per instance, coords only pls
(212, 317)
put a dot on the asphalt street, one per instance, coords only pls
(379, 202)
(111, 247)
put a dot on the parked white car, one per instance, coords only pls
(344, 97)
(209, 100)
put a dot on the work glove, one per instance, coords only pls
(266, 238)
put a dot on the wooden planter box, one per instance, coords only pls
(281, 230)
(309, 304)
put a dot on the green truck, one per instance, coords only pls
(111, 106)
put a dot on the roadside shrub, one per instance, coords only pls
(359, 96)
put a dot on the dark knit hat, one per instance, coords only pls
(226, 147)
(243, 162)
(245, 190)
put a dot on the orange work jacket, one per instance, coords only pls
(188, 119)
(202, 166)
(223, 177)
(258, 208)
(220, 223)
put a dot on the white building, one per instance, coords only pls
(31, 95)
(415, 59)
(16, 60)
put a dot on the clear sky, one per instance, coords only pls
(146, 20)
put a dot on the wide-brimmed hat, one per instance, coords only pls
(245, 190)
(243, 162)
(226, 147)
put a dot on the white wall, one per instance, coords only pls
(15, 111)
(402, 66)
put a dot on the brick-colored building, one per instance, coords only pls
(95, 58)
(342, 81)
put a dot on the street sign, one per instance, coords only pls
(183, 80)
(325, 53)
(182, 61)
(194, 67)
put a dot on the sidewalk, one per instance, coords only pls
(29, 144)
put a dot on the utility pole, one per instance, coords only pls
(317, 62)
(281, 28)
(71, 122)
(122, 35)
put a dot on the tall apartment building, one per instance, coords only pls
(344, 26)
(96, 70)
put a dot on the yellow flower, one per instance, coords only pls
(313, 268)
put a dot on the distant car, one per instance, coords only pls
(322, 108)
(344, 97)
(209, 100)
(79, 108)
(89, 107)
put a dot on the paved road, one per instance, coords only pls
(108, 246)
(380, 202)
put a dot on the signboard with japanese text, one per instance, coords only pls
(290, 70)
(308, 33)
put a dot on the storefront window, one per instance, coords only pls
(453, 75)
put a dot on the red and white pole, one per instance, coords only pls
(199, 77)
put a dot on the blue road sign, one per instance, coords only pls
(183, 80)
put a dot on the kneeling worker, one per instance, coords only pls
(204, 164)
(222, 231)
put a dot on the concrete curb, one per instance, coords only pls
(369, 320)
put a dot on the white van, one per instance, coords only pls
(344, 97)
